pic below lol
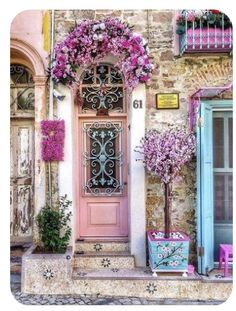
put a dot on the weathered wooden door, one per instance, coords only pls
(22, 177)
(102, 155)
(22, 152)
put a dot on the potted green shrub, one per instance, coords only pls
(48, 262)
(53, 227)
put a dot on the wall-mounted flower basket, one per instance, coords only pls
(168, 254)
(52, 145)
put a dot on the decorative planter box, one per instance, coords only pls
(46, 273)
(166, 255)
(206, 40)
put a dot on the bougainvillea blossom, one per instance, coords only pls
(166, 152)
(91, 41)
(52, 145)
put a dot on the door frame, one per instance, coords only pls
(67, 178)
(25, 54)
(205, 208)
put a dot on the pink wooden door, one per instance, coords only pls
(103, 183)
(102, 150)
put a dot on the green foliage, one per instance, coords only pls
(54, 230)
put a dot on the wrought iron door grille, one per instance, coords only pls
(102, 158)
(22, 90)
(102, 88)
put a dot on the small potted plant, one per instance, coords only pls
(54, 231)
(50, 259)
(164, 154)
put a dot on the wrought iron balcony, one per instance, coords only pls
(200, 35)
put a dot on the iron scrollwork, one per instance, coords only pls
(22, 88)
(102, 88)
(103, 159)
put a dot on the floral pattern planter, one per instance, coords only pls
(166, 255)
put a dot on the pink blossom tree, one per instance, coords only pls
(164, 154)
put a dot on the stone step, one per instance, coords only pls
(137, 273)
(91, 260)
(101, 246)
(139, 282)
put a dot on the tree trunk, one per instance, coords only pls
(167, 209)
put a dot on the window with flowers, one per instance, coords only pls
(204, 31)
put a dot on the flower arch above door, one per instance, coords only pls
(91, 41)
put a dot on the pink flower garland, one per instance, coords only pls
(91, 40)
(166, 152)
(53, 132)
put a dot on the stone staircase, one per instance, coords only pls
(101, 255)
(108, 269)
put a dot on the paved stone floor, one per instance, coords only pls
(96, 300)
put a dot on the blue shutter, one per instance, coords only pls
(205, 189)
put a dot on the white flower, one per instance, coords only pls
(199, 13)
(100, 37)
(102, 26)
(95, 37)
(140, 60)
(138, 72)
(95, 27)
(65, 49)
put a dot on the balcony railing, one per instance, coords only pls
(202, 36)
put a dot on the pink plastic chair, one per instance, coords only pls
(226, 254)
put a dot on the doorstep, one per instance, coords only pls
(56, 274)
(217, 276)
(129, 274)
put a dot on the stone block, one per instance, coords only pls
(162, 17)
(167, 55)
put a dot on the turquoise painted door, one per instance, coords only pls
(223, 179)
(213, 210)
(205, 190)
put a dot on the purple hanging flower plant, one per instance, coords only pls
(53, 134)
(91, 40)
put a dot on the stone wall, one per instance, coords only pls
(183, 75)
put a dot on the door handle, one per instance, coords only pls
(125, 183)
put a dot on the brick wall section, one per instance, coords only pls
(183, 75)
